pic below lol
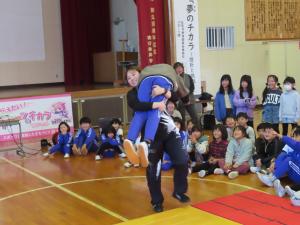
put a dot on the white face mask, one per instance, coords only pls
(287, 87)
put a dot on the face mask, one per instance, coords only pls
(287, 87)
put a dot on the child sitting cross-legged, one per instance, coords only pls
(216, 151)
(238, 156)
(85, 140)
(64, 140)
(267, 149)
(109, 142)
(197, 146)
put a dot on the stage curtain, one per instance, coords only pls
(85, 30)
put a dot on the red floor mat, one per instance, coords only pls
(253, 207)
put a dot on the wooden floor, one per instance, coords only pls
(80, 190)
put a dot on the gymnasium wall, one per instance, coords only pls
(256, 58)
(47, 65)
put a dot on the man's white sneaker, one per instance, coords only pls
(266, 179)
(289, 191)
(142, 151)
(254, 169)
(280, 191)
(131, 152)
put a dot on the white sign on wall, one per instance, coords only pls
(187, 43)
(21, 29)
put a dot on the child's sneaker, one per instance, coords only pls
(127, 165)
(254, 169)
(67, 155)
(289, 191)
(266, 179)
(46, 154)
(233, 174)
(280, 191)
(131, 152)
(218, 171)
(98, 157)
(202, 173)
(122, 155)
(143, 154)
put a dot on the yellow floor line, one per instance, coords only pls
(24, 192)
(67, 191)
(169, 177)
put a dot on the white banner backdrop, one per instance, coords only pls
(39, 116)
(187, 43)
(21, 28)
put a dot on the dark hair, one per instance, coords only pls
(223, 130)
(268, 126)
(196, 128)
(133, 67)
(242, 114)
(63, 123)
(170, 101)
(230, 116)
(246, 78)
(290, 80)
(296, 131)
(261, 126)
(178, 64)
(266, 90)
(189, 121)
(115, 120)
(230, 88)
(180, 121)
(109, 129)
(85, 120)
(241, 128)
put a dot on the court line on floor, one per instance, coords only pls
(25, 192)
(123, 177)
(169, 177)
(109, 212)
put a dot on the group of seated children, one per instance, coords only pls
(86, 140)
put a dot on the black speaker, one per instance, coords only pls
(45, 143)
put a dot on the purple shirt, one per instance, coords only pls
(242, 105)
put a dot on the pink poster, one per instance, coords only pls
(38, 116)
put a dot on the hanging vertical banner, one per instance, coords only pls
(151, 31)
(187, 44)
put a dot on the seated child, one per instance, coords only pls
(183, 134)
(216, 151)
(242, 120)
(238, 156)
(63, 141)
(287, 163)
(109, 142)
(267, 149)
(117, 124)
(85, 139)
(197, 146)
(167, 164)
(230, 125)
(189, 126)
